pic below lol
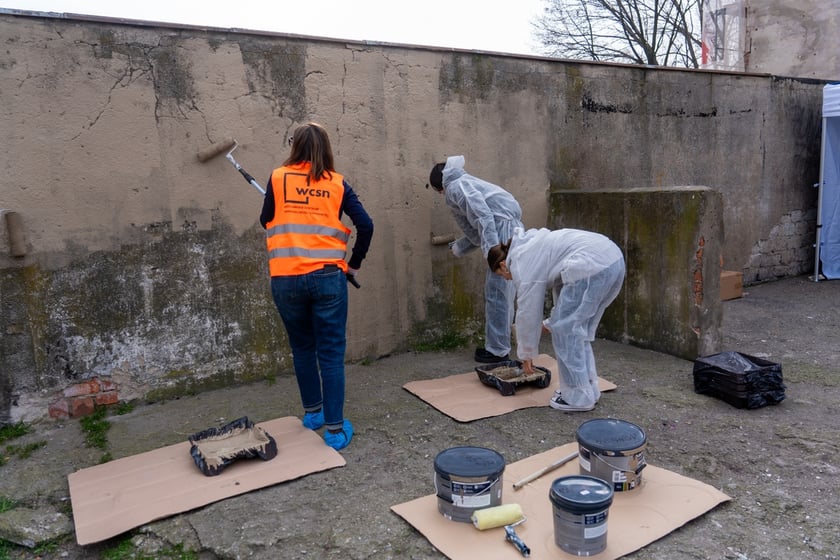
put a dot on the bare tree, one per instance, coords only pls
(650, 32)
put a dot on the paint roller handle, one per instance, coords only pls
(513, 538)
(248, 176)
(250, 179)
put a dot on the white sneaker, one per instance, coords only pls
(558, 403)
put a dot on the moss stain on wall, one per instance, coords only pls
(277, 71)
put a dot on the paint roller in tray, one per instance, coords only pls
(507, 516)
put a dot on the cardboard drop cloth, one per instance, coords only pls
(465, 398)
(114, 497)
(664, 502)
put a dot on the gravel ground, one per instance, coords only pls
(778, 463)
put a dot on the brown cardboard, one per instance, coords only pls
(114, 497)
(731, 285)
(464, 398)
(664, 502)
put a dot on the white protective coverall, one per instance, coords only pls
(487, 214)
(585, 271)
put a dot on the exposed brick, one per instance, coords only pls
(106, 397)
(106, 385)
(80, 389)
(60, 409)
(81, 406)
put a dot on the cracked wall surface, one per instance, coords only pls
(147, 265)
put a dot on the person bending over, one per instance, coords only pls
(585, 271)
(487, 214)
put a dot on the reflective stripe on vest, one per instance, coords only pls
(306, 232)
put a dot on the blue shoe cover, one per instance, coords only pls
(342, 438)
(313, 420)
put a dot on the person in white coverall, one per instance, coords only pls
(585, 271)
(487, 214)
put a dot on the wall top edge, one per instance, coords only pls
(367, 43)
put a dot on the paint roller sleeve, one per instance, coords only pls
(498, 516)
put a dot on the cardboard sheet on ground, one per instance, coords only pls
(115, 497)
(664, 502)
(465, 398)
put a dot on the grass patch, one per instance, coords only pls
(13, 431)
(126, 550)
(123, 408)
(6, 504)
(443, 343)
(95, 428)
(25, 451)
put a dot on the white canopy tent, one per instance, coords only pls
(828, 200)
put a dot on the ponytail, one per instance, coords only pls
(497, 255)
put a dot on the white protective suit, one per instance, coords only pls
(487, 214)
(585, 271)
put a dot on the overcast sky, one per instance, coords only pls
(463, 24)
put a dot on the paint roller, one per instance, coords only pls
(497, 516)
(215, 149)
(229, 145)
(507, 516)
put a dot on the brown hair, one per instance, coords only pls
(311, 143)
(497, 255)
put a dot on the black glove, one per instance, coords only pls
(351, 277)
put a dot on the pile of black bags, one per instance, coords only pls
(741, 380)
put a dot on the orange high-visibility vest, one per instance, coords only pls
(306, 232)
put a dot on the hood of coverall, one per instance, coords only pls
(453, 169)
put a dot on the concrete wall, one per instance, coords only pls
(146, 266)
(670, 301)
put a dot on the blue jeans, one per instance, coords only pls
(313, 308)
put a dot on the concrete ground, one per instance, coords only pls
(778, 463)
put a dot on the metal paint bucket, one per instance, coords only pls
(467, 479)
(612, 450)
(581, 507)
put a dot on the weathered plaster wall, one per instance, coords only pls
(670, 301)
(148, 266)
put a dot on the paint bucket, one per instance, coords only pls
(467, 479)
(612, 450)
(581, 506)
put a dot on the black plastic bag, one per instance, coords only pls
(742, 380)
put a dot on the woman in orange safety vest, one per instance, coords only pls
(307, 245)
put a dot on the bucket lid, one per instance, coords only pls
(581, 494)
(469, 462)
(610, 436)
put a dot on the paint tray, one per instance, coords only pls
(507, 376)
(741, 380)
(215, 449)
